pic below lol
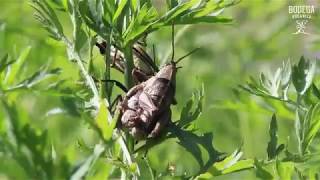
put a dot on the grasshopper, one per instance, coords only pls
(145, 66)
(146, 106)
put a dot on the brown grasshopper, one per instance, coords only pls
(146, 106)
(144, 65)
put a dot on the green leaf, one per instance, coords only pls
(231, 164)
(85, 167)
(119, 10)
(298, 125)
(302, 75)
(134, 5)
(203, 19)
(273, 149)
(48, 18)
(285, 170)
(172, 3)
(92, 16)
(286, 74)
(312, 122)
(141, 23)
(315, 91)
(207, 8)
(193, 143)
(187, 116)
(176, 12)
(261, 172)
(103, 123)
(16, 67)
(5, 62)
(42, 74)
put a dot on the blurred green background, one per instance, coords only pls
(259, 40)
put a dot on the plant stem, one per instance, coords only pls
(128, 66)
(96, 98)
(107, 87)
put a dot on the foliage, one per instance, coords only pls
(53, 113)
(306, 110)
(120, 24)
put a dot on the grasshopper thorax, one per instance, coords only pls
(167, 72)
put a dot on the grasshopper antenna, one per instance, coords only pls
(172, 41)
(188, 54)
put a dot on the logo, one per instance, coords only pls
(302, 15)
(301, 26)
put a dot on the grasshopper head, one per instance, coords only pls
(167, 72)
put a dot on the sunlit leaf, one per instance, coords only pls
(285, 169)
(119, 10)
(103, 123)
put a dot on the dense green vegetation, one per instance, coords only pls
(248, 99)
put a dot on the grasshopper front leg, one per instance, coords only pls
(161, 123)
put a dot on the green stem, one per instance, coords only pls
(106, 88)
(128, 66)
(90, 65)
(96, 98)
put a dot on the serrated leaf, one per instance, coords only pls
(302, 75)
(134, 5)
(92, 16)
(187, 115)
(143, 21)
(272, 145)
(193, 143)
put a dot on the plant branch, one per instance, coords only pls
(96, 98)
(129, 65)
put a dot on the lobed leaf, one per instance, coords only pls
(273, 149)
(302, 75)
(187, 116)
